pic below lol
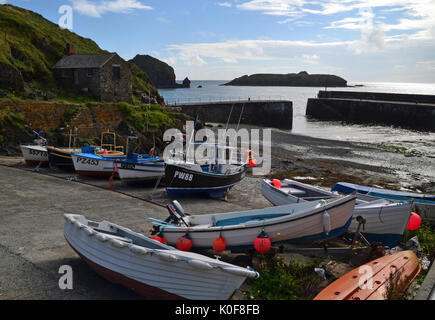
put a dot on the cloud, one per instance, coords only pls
(97, 9)
(224, 4)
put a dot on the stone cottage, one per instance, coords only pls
(105, 75)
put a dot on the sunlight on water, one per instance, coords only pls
(212, 91)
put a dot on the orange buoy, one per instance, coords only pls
(263, 243)
(276, 183)
(105, 152)
(414, 222)
(158, 238)
(185, 243)
(252, 163)
(219, 245)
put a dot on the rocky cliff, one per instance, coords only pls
(301, 79)
(160, 73)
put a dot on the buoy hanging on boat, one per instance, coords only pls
(185, 243)
(414, 222)
(276, 183)
(219, 245)
(158, 238)
(263, 243)
(326, 223)
(105, 152)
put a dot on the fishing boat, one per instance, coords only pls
(376, 279)
(140, 168)
(188, 179)
(423, 204)
(92, 165)
(35, 155)
(385, 221)
(303, 222)
(62, 157)
(149, 267)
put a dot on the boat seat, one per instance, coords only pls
(293, 191)
(112, 236)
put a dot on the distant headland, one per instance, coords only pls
(301, 79)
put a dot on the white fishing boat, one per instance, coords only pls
(35, 155)
(304, 222)
(423, 204)
(91, 165)
(148, 267)
(139, 168)
(385, 220)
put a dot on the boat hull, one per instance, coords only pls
(422, 204)
(141, 172)
(61, 158)
(158, 271)
(385, 221)
(35, 155)
(284, 229)
(372, 280)
(93, 166)
(182, 181)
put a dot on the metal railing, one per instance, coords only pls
(221, 99)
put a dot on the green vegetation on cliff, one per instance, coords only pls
(30, 46)
(301, 79)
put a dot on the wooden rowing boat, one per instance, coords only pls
(146, 266)
(376, 279)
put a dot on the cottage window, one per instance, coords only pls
(90, 73)
(64, 73)
(116, 71)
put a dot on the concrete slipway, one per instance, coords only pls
(32, 245)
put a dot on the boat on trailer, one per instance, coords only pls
(302, 222)
(149, 267)
(385, 221)
(423, 204)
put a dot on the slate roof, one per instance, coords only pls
(83, 61)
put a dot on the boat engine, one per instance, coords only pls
(176, 212)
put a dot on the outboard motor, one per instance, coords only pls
(176, 212)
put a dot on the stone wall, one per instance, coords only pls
(113, 89)
(403, 114)
(413, 98)
(277, 114)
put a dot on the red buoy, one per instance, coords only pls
(263, 243)
(158, 238)
(276, 183)
(219, 245)
(414, 222)
(252, 163)
(105, 152)
(185, 243)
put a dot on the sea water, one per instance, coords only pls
(212, 91)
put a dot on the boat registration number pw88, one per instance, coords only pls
(183, 176)
(91, 162)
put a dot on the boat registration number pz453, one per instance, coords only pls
(91, 162)
(38, 153)
(183, 176)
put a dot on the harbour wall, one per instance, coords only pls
(363, 109)
(276, 114)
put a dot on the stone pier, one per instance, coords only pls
(276, 114)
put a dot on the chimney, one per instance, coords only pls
(69, 50)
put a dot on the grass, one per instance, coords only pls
(16, 119)
(280, 281)
(145, 117)
(426, 238)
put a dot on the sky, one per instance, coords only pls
(360, 40)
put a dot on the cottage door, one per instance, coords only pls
(76, 77)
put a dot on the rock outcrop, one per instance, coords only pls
(301, 79)
(160, 73)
